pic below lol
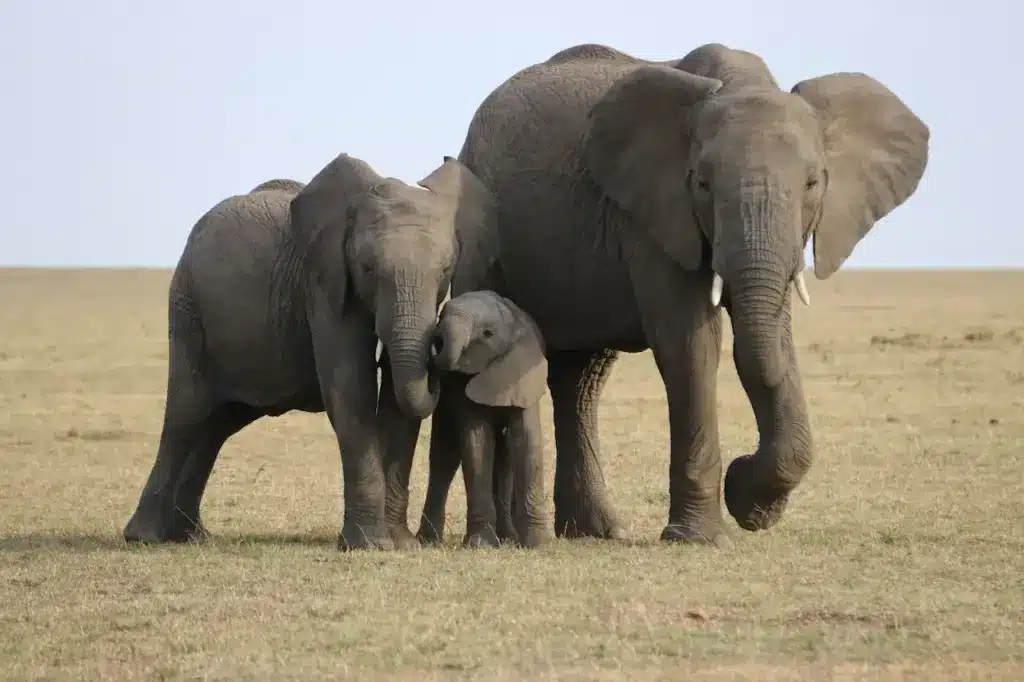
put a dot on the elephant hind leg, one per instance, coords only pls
(195, 427)
(224, 421)
(582, 508)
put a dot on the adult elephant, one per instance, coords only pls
(636, 196)
(277, 304)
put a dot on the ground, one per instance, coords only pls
(901, 556)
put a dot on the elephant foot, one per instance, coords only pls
(596, 520)
(506, 532)
(481, 539)
(534, 537)
(753, 506)
(356, 536)
(155, 529)
(403, 537)
(697, 532)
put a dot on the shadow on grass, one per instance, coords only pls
(101, 542)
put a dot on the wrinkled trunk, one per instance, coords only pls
(758, 289)
(757, 271)
(757, 266)
(454, 332)
(406, 332)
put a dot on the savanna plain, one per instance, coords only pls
(901, 555)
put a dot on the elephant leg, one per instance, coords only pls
(582, 508)
(757, 486)
(525, 454)
(684, 331)
(347, 373)
(476, 450)
(444, 459)
(188, 421)
(503, 487)
(398, 435)
(224, 422)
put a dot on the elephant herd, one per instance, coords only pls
(600, 203)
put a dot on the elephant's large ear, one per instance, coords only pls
(637, 149)
(876, 150)
(519, 377)
(321, 216)
(475, 222)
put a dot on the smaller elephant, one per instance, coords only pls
(493, 375)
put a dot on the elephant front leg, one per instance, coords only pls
(443, 462)
(684, 332)
(476, 448)
(398, 434)
(582, 507)
(347, 372)
(757, 486)
(503, 489)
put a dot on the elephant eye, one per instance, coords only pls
(487, 333)
(703, 185)
(812, 183)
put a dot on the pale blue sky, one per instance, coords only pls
(122, 122)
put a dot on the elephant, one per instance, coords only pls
(636, 198)
(277, 303)
(493, 376)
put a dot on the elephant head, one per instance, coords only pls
(724, 170)
(485, 335)
(381, 246)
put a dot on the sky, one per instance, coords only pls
(122, 122)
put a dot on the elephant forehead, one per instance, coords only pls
(758, 111)
(410, 244)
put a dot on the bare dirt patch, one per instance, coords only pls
(901, 556)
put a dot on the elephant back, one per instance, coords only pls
(279, 184)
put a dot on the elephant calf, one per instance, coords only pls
(494, 374)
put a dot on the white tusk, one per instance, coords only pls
(380, 349)
(716, 290)
(801, 288)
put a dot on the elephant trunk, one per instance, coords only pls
(405, 332)
(757, 267)
(453, 334)
(758, 273)
(758, 293)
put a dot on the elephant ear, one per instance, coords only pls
(519, 377)
(476, 230)
(876, 151)
(637, 148)
(322, 215)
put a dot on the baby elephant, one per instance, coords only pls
(494, 374)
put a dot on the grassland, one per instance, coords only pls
(900, 557)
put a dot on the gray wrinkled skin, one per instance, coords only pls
(277, 304)
(634, 197)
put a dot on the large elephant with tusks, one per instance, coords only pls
(637, 197)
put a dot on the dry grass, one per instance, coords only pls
(900, 556)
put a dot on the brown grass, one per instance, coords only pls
(901, 556)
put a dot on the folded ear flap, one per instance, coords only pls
(638, 147)
(876, 151)
(476, 229)
(516, 379)
(322, 215)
